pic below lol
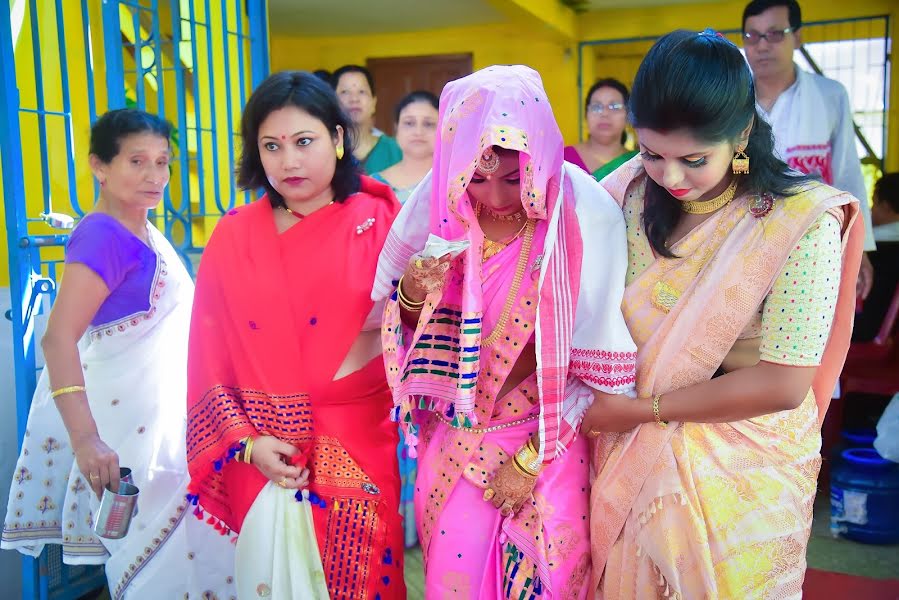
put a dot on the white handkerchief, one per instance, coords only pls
(436, 247)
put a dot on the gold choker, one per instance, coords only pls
(696, 207)
(498, 217)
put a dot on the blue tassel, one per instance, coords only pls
(313, 498)
(451, 411)
(299, 496)
(217, 465)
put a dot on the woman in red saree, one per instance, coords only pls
(288, 403)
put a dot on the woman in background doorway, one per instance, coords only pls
(416, 132)
(355, 88)
(606, 112)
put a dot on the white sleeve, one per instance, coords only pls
(847, 170)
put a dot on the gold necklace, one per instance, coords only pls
(492, 248)
(301, 215)
(523, 257)
(497, 217)
(696, 207)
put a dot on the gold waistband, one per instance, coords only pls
(490, 428)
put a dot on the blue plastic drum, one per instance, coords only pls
(864, 497)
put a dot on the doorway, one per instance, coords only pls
(396, 77)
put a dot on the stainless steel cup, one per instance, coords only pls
(115, 512)
(126, 477)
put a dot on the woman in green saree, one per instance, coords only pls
(606, 110)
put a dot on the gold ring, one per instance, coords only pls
(488, 494)
(594, 434)
(93, 476)
(283, 482)
(419, 264)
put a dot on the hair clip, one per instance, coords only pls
(712, 35)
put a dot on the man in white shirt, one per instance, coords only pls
(810, 114)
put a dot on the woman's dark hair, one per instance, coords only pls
(609, 82)
(335, 77)
(701, 83)
(311, 95)
(323, 74)
(886, 190)
(109, 130)
(411, 98)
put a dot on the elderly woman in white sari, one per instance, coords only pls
(114, 387)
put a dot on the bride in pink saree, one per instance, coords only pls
(494, 356)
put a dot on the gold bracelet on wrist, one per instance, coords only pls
(248, 450)
(67, 390)
(655, 411)
(404, 300)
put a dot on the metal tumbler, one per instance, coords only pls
(116, 510)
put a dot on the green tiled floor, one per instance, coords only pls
(415, 578)
(844, 556)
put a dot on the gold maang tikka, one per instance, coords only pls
(489, 162)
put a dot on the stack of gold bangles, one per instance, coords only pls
(527, 460)
(405, 302)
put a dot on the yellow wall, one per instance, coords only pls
(57, 156)
(489, 44)
(557, 60)
(222, 171)
(640, 22)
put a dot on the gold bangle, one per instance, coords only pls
(404, 300)
(655, 411)
(522, 470)
(67, 390)
(528, 459)
(248, 450)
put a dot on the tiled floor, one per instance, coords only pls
(415, 580)
(844, 556)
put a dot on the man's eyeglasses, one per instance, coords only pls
(751, 38)
(598, 109)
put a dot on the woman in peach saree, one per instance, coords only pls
(740, 295)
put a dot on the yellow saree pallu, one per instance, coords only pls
(723, 510)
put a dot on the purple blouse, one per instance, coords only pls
(121, 259)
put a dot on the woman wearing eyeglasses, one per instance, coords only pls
(606, 111)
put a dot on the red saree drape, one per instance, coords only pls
(274, 317)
